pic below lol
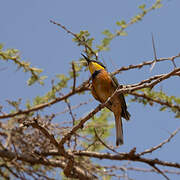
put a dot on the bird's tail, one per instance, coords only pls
(119, 130)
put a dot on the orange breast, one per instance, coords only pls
(102, 86)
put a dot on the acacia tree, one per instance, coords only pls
(33, 145)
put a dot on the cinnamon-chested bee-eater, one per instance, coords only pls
(103, 86)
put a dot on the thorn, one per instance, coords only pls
(154, 51)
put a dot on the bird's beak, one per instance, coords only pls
(86, 58)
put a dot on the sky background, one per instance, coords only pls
(25, 26)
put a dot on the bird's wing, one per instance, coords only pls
(125, 114)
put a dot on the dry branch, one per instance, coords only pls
(147, 83)
(126, 156)
(78, 172)
(145, 63)
(74, 77)
(75, 35)
(44, 105)
(161, 144)
(158, 101)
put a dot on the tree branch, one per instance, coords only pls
(159, 171)
(80, 124)
(74, 77)
(75, 35)
(44, 105)
(146, 63)
(103, 143)
(161, 144)
(126, 156)
(147, 83)
(44, 131)
(78, 172)
(165, 103)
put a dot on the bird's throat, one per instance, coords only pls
(95, 73)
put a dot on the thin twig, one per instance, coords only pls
(79, 125)
(70, 111)
(74, 77)
(159, 171)
(161, 144)
(44, 105)
(173, 61)
(146, 63)
(75, 35)
(76, 106)
(44, 131)
(130, 88)
(165, 103)
(73, 120)
(140, 169)
(103, 143)
(11, 171)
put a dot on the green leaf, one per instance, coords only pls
(107, 33)
(36, 70)
(121, 23)
(60, 76)
(177, 100)
(28, 104)
(43, 77)
(38, 100)
(106, 41)
(32, 80)
(1, 46)
(142, 6)
(163, 108)
(122, 33)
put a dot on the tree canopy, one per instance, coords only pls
(37, 139)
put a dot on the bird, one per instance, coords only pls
(103, 87)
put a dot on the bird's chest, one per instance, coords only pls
(102, 86)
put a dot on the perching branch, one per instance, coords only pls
(148, 83)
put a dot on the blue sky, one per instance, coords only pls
(25, 26)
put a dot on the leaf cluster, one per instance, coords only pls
(13, 55)
(167, 102)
